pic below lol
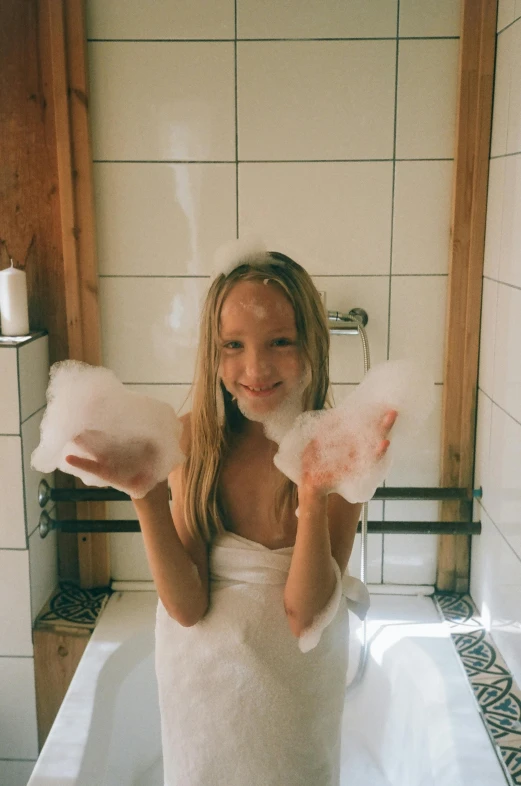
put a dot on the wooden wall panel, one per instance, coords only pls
(474, 118)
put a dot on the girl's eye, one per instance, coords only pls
(232, 345)
(282, 342)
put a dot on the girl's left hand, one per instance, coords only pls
(324, 478)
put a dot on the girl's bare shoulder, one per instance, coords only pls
(184, 441)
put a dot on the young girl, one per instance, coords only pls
(240, 577)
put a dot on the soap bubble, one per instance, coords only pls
(347, 438)
(90, 404)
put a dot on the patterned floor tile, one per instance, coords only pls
(498, 696)
(74, 607)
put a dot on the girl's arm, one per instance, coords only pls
(326, 527)
(311, 579)
(178, 564)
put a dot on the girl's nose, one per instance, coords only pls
(258, 366)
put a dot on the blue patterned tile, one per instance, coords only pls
(73, 607)
(498, 696)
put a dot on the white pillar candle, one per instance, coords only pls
(14, 316)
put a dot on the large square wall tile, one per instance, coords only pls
(150, 327)
(33, 359)
(333, 218)
(506, 12)
(514, 106)
(418, 305)
(178, 396)
(484, 423)
(427, 96)
(502, 82)
(495, 587)
(15, 617)
(502, 492)
(182, 19)
(507, 357)
(18, 730)
(315, 100)
(494, 222)
(422, 216)
(162, 101)
(163, 219)
(417, 455)
(9, 403)
(43, 567)
(12, 526)
(408, 558)
(487, 343)
(15, 773)
(316, 19)
(424, 19)
(509, 264)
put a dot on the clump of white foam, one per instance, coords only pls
(348, 437)
(237, 252)
(137, 434)
(279, 420)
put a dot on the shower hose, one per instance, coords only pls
(362, 663)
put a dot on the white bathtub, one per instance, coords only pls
(413, 720)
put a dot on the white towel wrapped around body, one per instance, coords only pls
(240, 702)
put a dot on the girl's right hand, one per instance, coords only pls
(126, 464)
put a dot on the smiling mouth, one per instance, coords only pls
(262, 391)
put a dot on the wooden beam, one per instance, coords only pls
(62, 29)
(465, 281)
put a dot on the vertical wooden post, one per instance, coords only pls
(62, 27)
(473, 129)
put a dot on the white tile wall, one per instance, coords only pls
(10, 409)
(430, 19)
(496, 589)
(296, 99)
(316, 19)
(15, 773)
(162, 101)
(496, 185)
(488, 336)
(304, 158)
(150, 327)
(183, 19)
(496, 553)
(193, 211)
(422, 216)
(12, 522)
(427, 91)
(507, 359)
(28, 570)
(33, 362)
(352, 199)
(410, 559)
(509, 267)
(417, 324)
(18, 731)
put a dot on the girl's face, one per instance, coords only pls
(261, 362)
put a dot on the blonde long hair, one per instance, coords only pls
(210, 432)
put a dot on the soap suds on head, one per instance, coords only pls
(349, 436)
(237, 252)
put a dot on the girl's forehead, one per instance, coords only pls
(257, 301)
